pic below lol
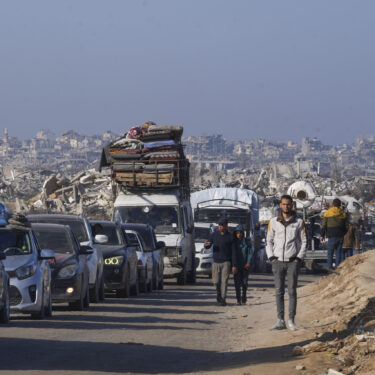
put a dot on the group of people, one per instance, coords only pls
(286, 247)
(342, 235)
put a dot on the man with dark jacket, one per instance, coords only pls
(334, 227)
(221, 242)
(242, 255)
(286, 248)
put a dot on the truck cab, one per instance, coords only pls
(171, 217)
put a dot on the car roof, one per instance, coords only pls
(136, 226)
(50, 226)
(54, 216)
(104, 222)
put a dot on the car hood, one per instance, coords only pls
(63, 259)
(15, 261)
(110, 251)
(171, 240)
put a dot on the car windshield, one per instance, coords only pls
(202, 234)
(164, 219)
(147, 237)
(111, 231)
(14, 242)
(57, 240)
(212, 215)
(77, 226)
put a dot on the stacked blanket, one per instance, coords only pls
(148, 155)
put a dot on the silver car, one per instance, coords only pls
(82, 230)
(4, 292)
(28, 269)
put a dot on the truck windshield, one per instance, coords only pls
(202, 234)
(164, 219)
(212, 215)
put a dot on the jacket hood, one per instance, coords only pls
(239, 227)
(335, 212)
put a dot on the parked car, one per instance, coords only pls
(120, 260)
(70, 273)
(4, 292)
(145, 261)
(155, 247)
(28, 268)
(82, 231)
(203, 257)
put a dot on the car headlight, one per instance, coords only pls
(67, 272)
(25, 271)
(114, 261)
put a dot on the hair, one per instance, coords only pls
(336, 202)
(288, 197)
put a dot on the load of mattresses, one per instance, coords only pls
(148, 156)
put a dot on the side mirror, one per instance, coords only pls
(2, 256)
(86, 250)
(101, 239)
(46, 254)
(160, 244)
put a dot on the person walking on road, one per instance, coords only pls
(350, 241)
(242, 255)
(221, 241)
(286, 248)
(334, 227)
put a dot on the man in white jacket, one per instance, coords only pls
(286, 248)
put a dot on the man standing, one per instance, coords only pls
(221, 240)
(286, 248)
(334, 226)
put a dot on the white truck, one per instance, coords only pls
(171, 217)
(239, 206)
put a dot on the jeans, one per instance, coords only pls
(335, 245)
(291, 271)
(348, 252)
(240, 282)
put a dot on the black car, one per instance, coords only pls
(147, 233)
(70, 274)
(120, 259)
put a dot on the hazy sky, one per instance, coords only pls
(274, 69)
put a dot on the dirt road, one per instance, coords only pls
(178, 330)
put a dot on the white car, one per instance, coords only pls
(203, 257)
(145, 262)
(28, 269)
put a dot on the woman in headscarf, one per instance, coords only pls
(242, 254)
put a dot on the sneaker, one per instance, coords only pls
(280, 324)
(223, 303)
(292, 326)
(238, 303)
(244, 299)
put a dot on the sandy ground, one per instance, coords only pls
(175, 331)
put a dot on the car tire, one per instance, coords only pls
(5, 311)
(182, 277)
(161, 283)
(150, 285)
(135, 290)
(86, 299)
(41, 314)
(78, 305)
(192, 275)
(101, 290)
(48, 308)
(155, 282)
(143, 285)
(94, 292)
(125, 291)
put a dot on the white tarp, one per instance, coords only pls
(227, 197)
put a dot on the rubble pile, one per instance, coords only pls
(89, 193)
(20, 183)
(344, 303)
(148, 156)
